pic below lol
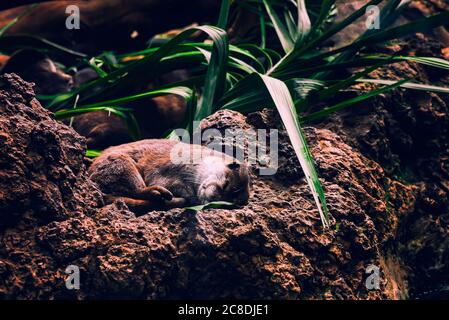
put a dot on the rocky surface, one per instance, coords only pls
(52, 217)
(383, 165)
(406, 133)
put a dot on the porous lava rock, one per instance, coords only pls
(275, 247)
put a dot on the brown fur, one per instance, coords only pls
(34, 66)
(143, 175)
(154, 117)
(106, 25)
(101, 129)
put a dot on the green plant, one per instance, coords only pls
(284, 69)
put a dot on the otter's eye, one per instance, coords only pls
(236, 191)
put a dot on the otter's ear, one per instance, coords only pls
(234, 166)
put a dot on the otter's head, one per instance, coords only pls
(222, 180)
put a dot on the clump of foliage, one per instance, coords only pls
(285, 68)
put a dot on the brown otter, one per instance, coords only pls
(154, 117)
(101, 128)
(148, 175)
(34, 66)
(105, 25)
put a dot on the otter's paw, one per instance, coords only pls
(158, 193)
(176, 203)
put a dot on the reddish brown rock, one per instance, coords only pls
(273, 248)
(406, 132)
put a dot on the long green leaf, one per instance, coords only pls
(215, 75)
(420, 25)
(340, 26)
(211, 205)
(183, 92)
(304, 24)
(258, 91)
(90, 153)
(11, 43)
(409, 85)
(281, 30)
(224, 14)
(143, 69)
(285, 106)
(347, 103)
(17, 19)
(325, 94)
(325, 11)
(63, 114)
